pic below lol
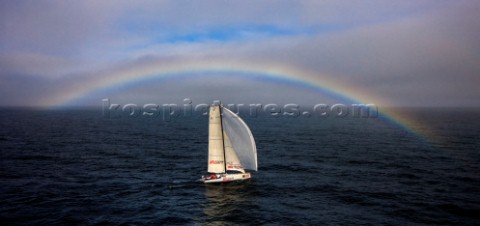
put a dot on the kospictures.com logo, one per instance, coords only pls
(169, 111)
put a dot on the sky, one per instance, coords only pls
(393, 53)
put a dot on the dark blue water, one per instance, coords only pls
(77, 167)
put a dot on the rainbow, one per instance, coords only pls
(266, 70)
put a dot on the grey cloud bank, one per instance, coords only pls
(413, 53)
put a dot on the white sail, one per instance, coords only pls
(216, 155)
(240, 138)
(231, 158)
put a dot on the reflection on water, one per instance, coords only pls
(228, 202)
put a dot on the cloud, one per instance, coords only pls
(34, 65)
(410, 52)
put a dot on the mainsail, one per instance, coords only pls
(216, 153)
(230, 142)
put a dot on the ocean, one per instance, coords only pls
(78, 167)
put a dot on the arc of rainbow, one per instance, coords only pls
(268, 70)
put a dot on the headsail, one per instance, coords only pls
(231, 158)
(241, 139)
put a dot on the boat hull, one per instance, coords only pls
(222, 178)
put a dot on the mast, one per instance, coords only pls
(223, 140)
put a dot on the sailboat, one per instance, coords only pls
(231, 147)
